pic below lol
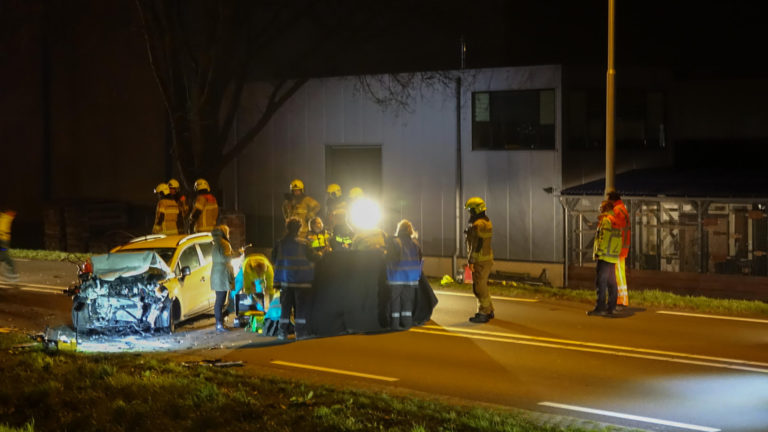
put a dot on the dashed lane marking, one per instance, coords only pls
(757, 320)
(336, 371)
(518, 299)
(48, 289)
(573, 345)
(630, 417)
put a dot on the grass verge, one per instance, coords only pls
(46, 255)
(652, 299)
(76, 391)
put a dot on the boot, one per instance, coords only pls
(481, 318)
(220, 328)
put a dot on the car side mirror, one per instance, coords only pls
(185, 271)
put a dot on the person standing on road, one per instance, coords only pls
(301, 206)
(181, 201)
(318, 237)
(166, 212)
(621, 215)
(480, 257)
(6, 219)
(294, 273)
(607, 247)
(404, 264)
(206, 209)
(222, 274)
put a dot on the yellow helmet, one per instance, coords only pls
(297, 184)
(173, 183)
(355, 192)
(334, 190)
(162, 188)
(201, 184)
(475, 203)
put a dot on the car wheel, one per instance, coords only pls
(81, 316)
(170, 315)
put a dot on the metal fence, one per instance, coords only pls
(678, 234)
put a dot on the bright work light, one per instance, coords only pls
(364, 213)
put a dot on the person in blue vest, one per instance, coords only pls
(404, 265)
(293, 260)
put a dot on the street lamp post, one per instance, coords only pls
(610, 144)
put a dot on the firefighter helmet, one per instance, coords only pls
(163, 189)
(475, 204)
(355, 192)
(201, 184)
(297, 185)
(173, 183)
(334, 190)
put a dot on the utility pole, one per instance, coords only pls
(610, 96)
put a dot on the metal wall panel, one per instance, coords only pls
(418, 162)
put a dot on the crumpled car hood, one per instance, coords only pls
(111, 266)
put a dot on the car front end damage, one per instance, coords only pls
(124, 293)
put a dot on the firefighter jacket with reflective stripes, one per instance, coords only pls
(166, 217)
(622, 221)
(478, 237)
(304, 208)
(318, 241)
(206, 211)
(293, 264)
(607, 246)
(403, 261)
(6, 220)
(253, 282)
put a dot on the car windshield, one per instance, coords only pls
(165, 253)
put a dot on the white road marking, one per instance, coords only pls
(630, 417)
(48, 289)
(337, 371)
(617, 350)
(493, 297)
(757, 320)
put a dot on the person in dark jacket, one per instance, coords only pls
(294, 272)
(222, 274)
(404, 264)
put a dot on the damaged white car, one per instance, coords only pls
(150, 283)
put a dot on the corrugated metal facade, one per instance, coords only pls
(418, 152)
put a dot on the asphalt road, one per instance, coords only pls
(650, 369)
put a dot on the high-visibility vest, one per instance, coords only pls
(318, 241)
(622, 221)
(407, 270)
(344, 240)
(479, 235)
(169, 210)
(607, 245)
(292, 268)
(252, 282)
(206, 204)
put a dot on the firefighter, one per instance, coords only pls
(621, 215)
(335, 205)
(222, 274)
(318, 237)
(6, 219)
(404, 265)
(299, 205)
(206, 209)
(182, 202)
(479, 257)
(606, 250)
(294, 273)
(166, 212)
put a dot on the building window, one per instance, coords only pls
(513, 120)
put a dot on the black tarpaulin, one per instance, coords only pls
(350, 295)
